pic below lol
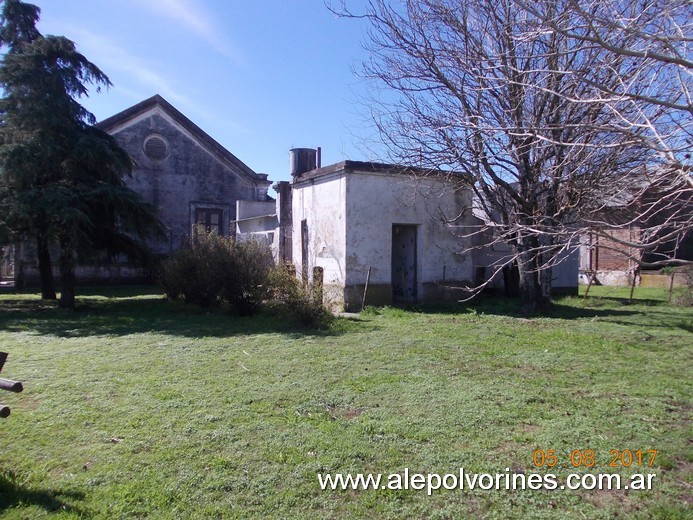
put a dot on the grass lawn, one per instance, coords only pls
(136, 407)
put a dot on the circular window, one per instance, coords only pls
(156, 147)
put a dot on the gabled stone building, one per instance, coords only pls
(188, 176)
(183, 171)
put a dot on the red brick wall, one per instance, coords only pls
(609, 255)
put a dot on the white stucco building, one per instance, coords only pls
(354, 217)
(389, 233)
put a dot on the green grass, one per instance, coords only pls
(136, 407)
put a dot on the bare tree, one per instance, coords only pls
(651, 41)
(653, 38)
(482, 87)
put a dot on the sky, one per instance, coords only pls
(259, 76)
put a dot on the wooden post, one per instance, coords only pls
(671, 283)
(318, 274)
(632, 285)
(6, 384)
(304, 252)
(12, 386)
(593, 275)
(365, 288)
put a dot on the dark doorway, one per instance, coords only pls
(403, 263)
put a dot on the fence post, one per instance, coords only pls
(365, 288)
(635, 273)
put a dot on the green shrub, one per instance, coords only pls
(245, 284)
(214, 270)
(291, 296)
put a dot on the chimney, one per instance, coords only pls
(261, 187)
(284, 212)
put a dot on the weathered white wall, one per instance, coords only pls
(564, 275)
(253, 208)
(376, 201)
(350, 217)
(257, 221)
(321, 202)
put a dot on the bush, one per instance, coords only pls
(245, 284)
(215, 270)
(299, 301)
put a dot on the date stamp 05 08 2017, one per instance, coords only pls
(588, 458)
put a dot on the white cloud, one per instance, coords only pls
(116, 61)
(198, 20)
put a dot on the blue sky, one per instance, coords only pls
(259, 76)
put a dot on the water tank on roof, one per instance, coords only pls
(302, 160)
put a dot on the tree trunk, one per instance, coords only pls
(545, 281)
(535, 286)
(45, 269)
(67, 274)
(529, 290)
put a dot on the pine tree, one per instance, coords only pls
(61, 178)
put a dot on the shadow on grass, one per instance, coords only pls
(510, 307)
(649, 313)
(13, 494)
(122, 311)
(645, 312)
(126, 310)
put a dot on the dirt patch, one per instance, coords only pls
(608, 499)
(26, 402)
(530, 428)
(344, 413)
